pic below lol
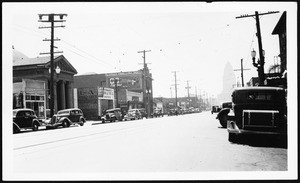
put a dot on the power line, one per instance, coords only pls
(23, 28)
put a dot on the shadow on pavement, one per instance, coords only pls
(263, 141)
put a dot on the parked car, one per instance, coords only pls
(215, 109)
(143, 112)
(222, 115)
(172, 112)
(133, 114)
(66, 118)
(25, 119)
(258, 110)
(112, 115)
(157, 113)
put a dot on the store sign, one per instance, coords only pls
(34, 86)
(105, 93)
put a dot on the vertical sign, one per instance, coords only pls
(75, 98)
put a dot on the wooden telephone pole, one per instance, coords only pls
(175, 88)
(188, 92)
(260, 66)
(144, 82)
(51, 19)
(242, 71)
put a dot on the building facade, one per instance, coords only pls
(28, 73)
(127, 92)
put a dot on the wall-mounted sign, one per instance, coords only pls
(105, 93)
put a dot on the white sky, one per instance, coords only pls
(195, 39)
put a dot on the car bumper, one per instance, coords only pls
(233, 128)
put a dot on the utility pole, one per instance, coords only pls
(261, 73)
(196, 96)
(175, 89)
(51, 19)
(188, 92)
(144, 81)
(242, 70)
(116, 80)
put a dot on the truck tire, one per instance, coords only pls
(223, 120)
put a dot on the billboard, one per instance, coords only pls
(125, 80)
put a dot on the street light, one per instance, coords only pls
(259, 65)
(148, 91)
(57, 70)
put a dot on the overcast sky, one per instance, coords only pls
(195, 39)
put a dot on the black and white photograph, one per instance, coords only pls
(199, 90)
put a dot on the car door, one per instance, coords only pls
(23, 119)
(73, 115)
(20, 120)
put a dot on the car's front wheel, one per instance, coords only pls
(81, 122)
(35, 127)
(64, 124)
(223, 120)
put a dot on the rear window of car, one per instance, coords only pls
(63, 112)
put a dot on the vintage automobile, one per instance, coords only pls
(112, 115)
(215, 109)
(25, 119)
(257, 110)
(157, 113)
(222, 114)
(133, 114)
(143, 112)
(66, 118)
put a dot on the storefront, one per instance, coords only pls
(94, 101)
(30, 94)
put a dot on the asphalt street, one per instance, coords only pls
(192, 144)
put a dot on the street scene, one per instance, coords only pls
(150, 91)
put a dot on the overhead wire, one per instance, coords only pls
(40, 34)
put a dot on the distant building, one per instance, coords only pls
(95, 93)
(229, 83)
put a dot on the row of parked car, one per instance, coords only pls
(254, 111)
(27, 119)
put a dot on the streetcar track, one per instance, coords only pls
(81, 136)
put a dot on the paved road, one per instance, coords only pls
(192, 144)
